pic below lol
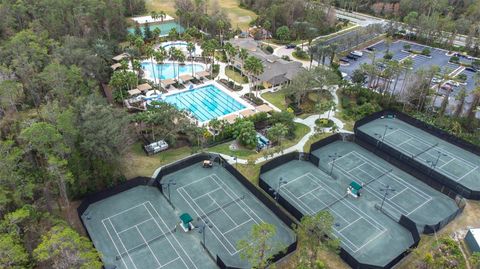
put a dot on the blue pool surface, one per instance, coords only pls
(164, 28)
(205, 103)
(170, 70)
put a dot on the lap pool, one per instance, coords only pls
(205, 103)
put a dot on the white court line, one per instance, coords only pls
(115, 245)
(295, 199)
(415, 209)
(395, 177)
(168, 239)
(223, 210)
(238, 226)
(471, 165)
(449, 161)
(207, 193)
(312, 212)
(348, 225)
(391, 197)
(131, 227)
(467, 173)
(169, 262)
(123, 211)
(150, 249)
(121, 241)
(236, 200)
(209, 219)
(406, 141)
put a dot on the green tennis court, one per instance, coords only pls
(367, 234)
(407, 196)
(215, 197)
(450, 160)
(137, 229)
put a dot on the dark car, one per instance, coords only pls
(291, 46)
(370, 48)
(471, 69)
(344, 60)
(351, 57)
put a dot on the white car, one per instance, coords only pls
(357, 53)
(453, 83)
(156, 147)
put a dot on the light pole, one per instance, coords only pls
(201, 229)
(382, 137)
(276, 193)
(333, 157)
(167, 185)
(387, 189)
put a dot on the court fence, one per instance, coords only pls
(263, 198)
(430, 176)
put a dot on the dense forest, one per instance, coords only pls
(59, 139)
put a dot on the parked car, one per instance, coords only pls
(370, 49)
(471, 69)
(344, 60)
(351, 57)
(357, 53)
(453, 83)
(156, 147)
(291, 46)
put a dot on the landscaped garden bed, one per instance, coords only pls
(230, 85)
(252, 98)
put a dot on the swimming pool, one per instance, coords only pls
(164, 28)
(170, 70)
(205, 103)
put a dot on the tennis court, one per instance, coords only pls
(215, 197)
(137, 229)
(367, 234)
(452, 161)
(406, 196)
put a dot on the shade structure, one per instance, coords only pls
(264, 108)
(202, 74)
(231, 118)
(116, 66)
(185, 77)
(134, 92)
(144, 87)
(167, 82)
(247, 113)
(120, 57)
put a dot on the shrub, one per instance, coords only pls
(286, 58)
(323, 122)
(251, 97)
(407, 47)
(462, 77)
(269, 49)
(454, 59)
(388, 56)
(426, 52)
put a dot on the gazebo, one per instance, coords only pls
(115, 66)
(186, 222)
(120, 57)
(134, 92)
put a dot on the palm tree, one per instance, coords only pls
(462, 94)
(181, 60)
(254, 68)
(154, 15)
(162, 15)
(172, 53)
(243, 55)
(333, 50)
(191, 49)
(150, 52)
(160, 56)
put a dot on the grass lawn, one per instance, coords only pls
(250, 171)
(313, 139)
(137, 163)
(235, 75)
(276, 98)
(239, 17)
(300, 131)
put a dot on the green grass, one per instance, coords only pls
(313, 139)
(250, 171)
(235, 75)
(239, 17)
(137, 163)
(276, 98)
(301, 57)
(300, 131)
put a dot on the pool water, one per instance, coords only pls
(205, 103)
(170, 70)
(164, 28)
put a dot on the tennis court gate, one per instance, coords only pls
(423, 172)
(269, 203)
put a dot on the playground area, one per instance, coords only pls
(216, 199)
(366, 233)
(457, 164)
(399, 192)
(138, 229)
